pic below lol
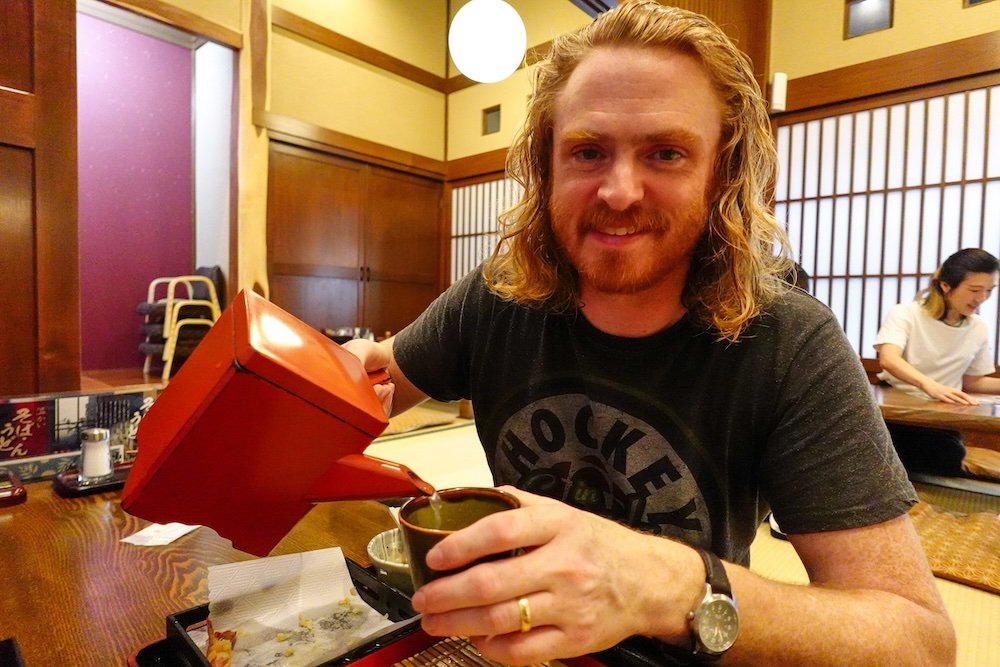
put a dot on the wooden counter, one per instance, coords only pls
(73, 595)
(979, 424)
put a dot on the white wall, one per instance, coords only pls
(213, 101)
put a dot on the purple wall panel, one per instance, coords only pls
(136, 181)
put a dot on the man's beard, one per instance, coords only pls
(625, 271)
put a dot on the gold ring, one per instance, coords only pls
(525, 611)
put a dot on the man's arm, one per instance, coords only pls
(872, 599)
(890, 357)
(591, 583)
(400, 394)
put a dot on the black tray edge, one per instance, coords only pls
(178, 650)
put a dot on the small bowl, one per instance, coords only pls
(389, 556)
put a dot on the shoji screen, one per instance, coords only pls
(875, 199)
(474, 211)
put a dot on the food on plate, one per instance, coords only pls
(305, 639)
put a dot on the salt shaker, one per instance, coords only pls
(95, 456)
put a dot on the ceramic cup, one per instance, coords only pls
(461, 507)
(389, 556)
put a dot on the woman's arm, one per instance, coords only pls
(891, 358)
(981, 384)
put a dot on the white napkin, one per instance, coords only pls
(158, 534)
(302, 607)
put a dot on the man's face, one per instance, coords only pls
(635, 137)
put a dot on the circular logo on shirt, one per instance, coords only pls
(603, 459)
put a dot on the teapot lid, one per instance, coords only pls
(282, 349)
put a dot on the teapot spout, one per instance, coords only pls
(361, 477)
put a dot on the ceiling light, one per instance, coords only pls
(487, 40)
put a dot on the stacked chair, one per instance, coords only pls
(177, 313)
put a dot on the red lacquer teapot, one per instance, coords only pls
(266, 417)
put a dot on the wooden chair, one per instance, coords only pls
(175, 322)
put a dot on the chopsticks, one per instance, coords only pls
(453, 652)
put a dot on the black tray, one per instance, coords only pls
(67, 483)
(178, 650)
(10, 655)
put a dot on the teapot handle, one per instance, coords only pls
(380, 376)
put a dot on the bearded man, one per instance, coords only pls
(649, 387)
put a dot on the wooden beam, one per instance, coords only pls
(259, 31)
(301, 133)
(962, 58)
(331, 39)
(474, 166)
(315, 32)
(179, 18)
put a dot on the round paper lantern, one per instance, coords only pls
(487, 40)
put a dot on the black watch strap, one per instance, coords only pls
(715, 573)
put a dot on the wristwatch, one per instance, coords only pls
(715, 622)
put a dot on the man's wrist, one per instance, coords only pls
(715, 621)
(681, 590)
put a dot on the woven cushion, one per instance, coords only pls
(961, 547)
(982, 463)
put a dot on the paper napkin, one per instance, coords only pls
(301, 607)
(158, 534)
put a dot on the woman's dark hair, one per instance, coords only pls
(951, 273)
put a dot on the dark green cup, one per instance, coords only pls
(461, 507)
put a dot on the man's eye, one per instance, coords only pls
(667, 154)
(587, 153)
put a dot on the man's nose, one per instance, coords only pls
(622, 186)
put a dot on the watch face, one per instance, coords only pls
(718, 624)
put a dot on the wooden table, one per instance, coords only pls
(979, 424)
(73, 595)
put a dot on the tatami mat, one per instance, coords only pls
(975, 613)
(418, 418)
(957, 500)
(960, 483)
(445, 456)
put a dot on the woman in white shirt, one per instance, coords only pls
(938, 347)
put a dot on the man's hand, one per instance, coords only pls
(578, 574)
(374, 357)
(590, 582)
(399, 393)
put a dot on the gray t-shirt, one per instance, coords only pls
(675, 433)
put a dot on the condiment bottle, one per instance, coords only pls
(95, 456)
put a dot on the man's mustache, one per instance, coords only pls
(600, 217)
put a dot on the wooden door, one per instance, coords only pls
(401, 248)
(348, 243)
(39, 302)
(314, 218)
